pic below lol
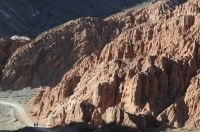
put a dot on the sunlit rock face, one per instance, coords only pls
(137, 68)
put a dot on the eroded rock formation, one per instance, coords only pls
(185, 111)
(8, 46)
(146, 67)
(129, 68)
(44, 60)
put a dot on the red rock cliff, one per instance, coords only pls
(130, 68)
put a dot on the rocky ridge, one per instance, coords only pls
(138, 69)
(54, 52)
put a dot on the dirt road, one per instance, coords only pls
(23, 116)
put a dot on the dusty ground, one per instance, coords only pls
(8, 116)
(8, 120)
(184, 130)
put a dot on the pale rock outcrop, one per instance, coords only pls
(16, 37)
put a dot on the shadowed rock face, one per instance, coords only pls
(129, 68)
(185, 111)
(31, 17)
(8, 47)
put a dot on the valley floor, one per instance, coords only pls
(9, 117)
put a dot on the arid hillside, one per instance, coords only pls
(138, 69)
(31, 17)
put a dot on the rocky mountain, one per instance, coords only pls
(138, 69)
(31, 17)
(8, 46)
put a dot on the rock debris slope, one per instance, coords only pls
(129, 68)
